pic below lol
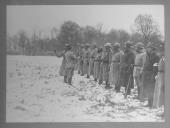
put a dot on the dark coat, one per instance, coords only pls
(126, 68)
(159, 92)
(106, 59)
(149, 73)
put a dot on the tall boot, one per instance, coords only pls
(117, 88)
(65, 79)
(78, 71)
(100, 82)
(69, 81)
(138, 93)
(150, 102)
(107, 85)
(128, 91)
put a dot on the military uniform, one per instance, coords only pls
(126, 68)
(101, 72)
(79, 57)
(159, 93)
(106, 59)
(138, 67)
(148, 75)
(62, 67)
(92, 54)
(115, 65)
(70, 65)
(81, 61)
(86, 60)
(97, 62)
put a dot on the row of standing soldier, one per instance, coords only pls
(121, 68)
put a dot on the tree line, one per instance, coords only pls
(145, 30)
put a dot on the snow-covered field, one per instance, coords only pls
(36, 93)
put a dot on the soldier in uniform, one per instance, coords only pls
(70, 64)
(97, 62)
(106, 59)
(62, 67)
(126, 68)
(115, 66)
(86, 60)
(78, 57)
(101, 68)
(81, 59)
(159, 93)
(149, 72)
(92, 53)
(138, 67)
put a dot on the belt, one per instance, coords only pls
(115, 61)
(138, 65)
(98, 60)
(105, 61)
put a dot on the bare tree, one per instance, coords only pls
(146, 26)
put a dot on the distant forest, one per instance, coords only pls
(145, 30)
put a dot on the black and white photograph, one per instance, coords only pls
(85, 63)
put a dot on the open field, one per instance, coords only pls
(36, 93)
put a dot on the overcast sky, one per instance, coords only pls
(44, 17)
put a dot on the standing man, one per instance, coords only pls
(97, 62)
(101, 68)
(159, 93)
(115, 66)
(63, 64)
(138, 67)
(86, 60)
(149, 73)
(78, 57)
(127, 64)
(106, 59)
(81, 59)
(70, 64)
(92, 54)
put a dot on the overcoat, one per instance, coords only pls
(159, 93)
(92, 54)
(81, 60)
(86, 56)
(62, 67)
(126, 68)
(70, 63)
(149, 73)
(97, 62)
(115, 68)
(106, 59)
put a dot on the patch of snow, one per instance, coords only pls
(36, 93)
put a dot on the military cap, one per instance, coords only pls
(151, 45)
(116, 45)
(139, 45)
(66, 44)
(100, 49)
(82, 45)
(128, 44)
(87, 45)
(107, 45)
